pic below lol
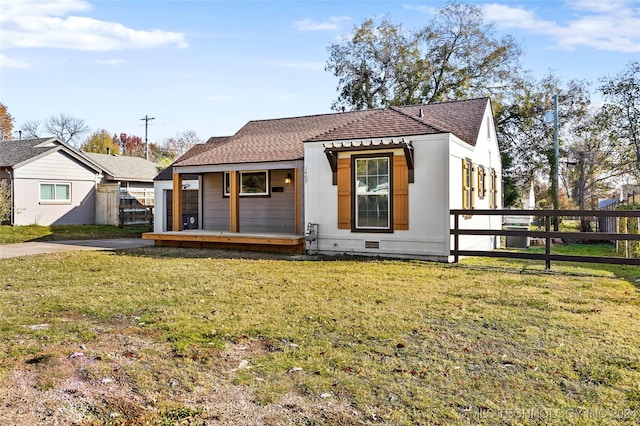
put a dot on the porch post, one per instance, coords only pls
(177, 202)
(297, 184)
(234, 202)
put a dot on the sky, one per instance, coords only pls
(210, 66)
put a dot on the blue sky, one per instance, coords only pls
(212, 65)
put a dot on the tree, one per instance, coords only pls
(182, 142)
(65, 127)
(130, 145)
(101, 142)
(6, 123)
(31, 129)
(622, 96)
(455, 56)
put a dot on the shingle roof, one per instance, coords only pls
(124, 168)
(271, 140)
(462, 118)
(17, 152)
(283, 139)
(14, 152)
(167, 174)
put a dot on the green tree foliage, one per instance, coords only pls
(101, 142)
(6, 123)
(622, 96)
(455, 56)
(5, 201)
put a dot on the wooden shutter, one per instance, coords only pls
(344, 193)
(465, 187)
(400, 193)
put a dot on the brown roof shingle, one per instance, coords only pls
(283, 139)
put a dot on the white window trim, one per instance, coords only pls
(225, 180)
(54, 200)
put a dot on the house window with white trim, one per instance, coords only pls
(251, 183)
(372, 193)
(55, 192)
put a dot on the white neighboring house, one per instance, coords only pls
(376, 182)
(51, 183)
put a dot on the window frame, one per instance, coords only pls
(55, 199)
(388, 156)
(226, 184)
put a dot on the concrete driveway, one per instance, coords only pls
(30, 248)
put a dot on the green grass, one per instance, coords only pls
(19, 234)
(173, 336)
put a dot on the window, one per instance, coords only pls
(372, 201)
(251, 183)
(482, 182)
(55, 192)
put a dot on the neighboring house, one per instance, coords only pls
(375, 182)
(51, 182)
(128, 185)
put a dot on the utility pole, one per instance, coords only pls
(556, 155)
(146, 120)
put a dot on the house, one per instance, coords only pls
(128, 181)
(51, 183)
(376, 182)
(190, 192)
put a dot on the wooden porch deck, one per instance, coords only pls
(197, 238)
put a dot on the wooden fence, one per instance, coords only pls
(548, 235)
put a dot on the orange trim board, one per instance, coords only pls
(225, 239)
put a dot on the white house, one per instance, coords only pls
(375, 182)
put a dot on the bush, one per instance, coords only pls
(5, 202)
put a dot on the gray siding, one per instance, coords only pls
(274, 213)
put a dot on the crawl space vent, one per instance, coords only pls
(372, 244)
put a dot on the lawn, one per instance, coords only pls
(20, 234)
(179, 336)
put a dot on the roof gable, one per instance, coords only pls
(17, 153)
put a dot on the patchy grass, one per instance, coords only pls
(178, 336)
(20, 234)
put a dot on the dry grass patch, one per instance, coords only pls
(168, 336)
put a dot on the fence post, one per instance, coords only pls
(456, 222)
(547, 242)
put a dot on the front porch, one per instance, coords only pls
(197, 238)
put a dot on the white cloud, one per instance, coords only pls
(429, 10)
(611, 26)
(34, 23)
(331, 24)
(284, 96)
(6, 62)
